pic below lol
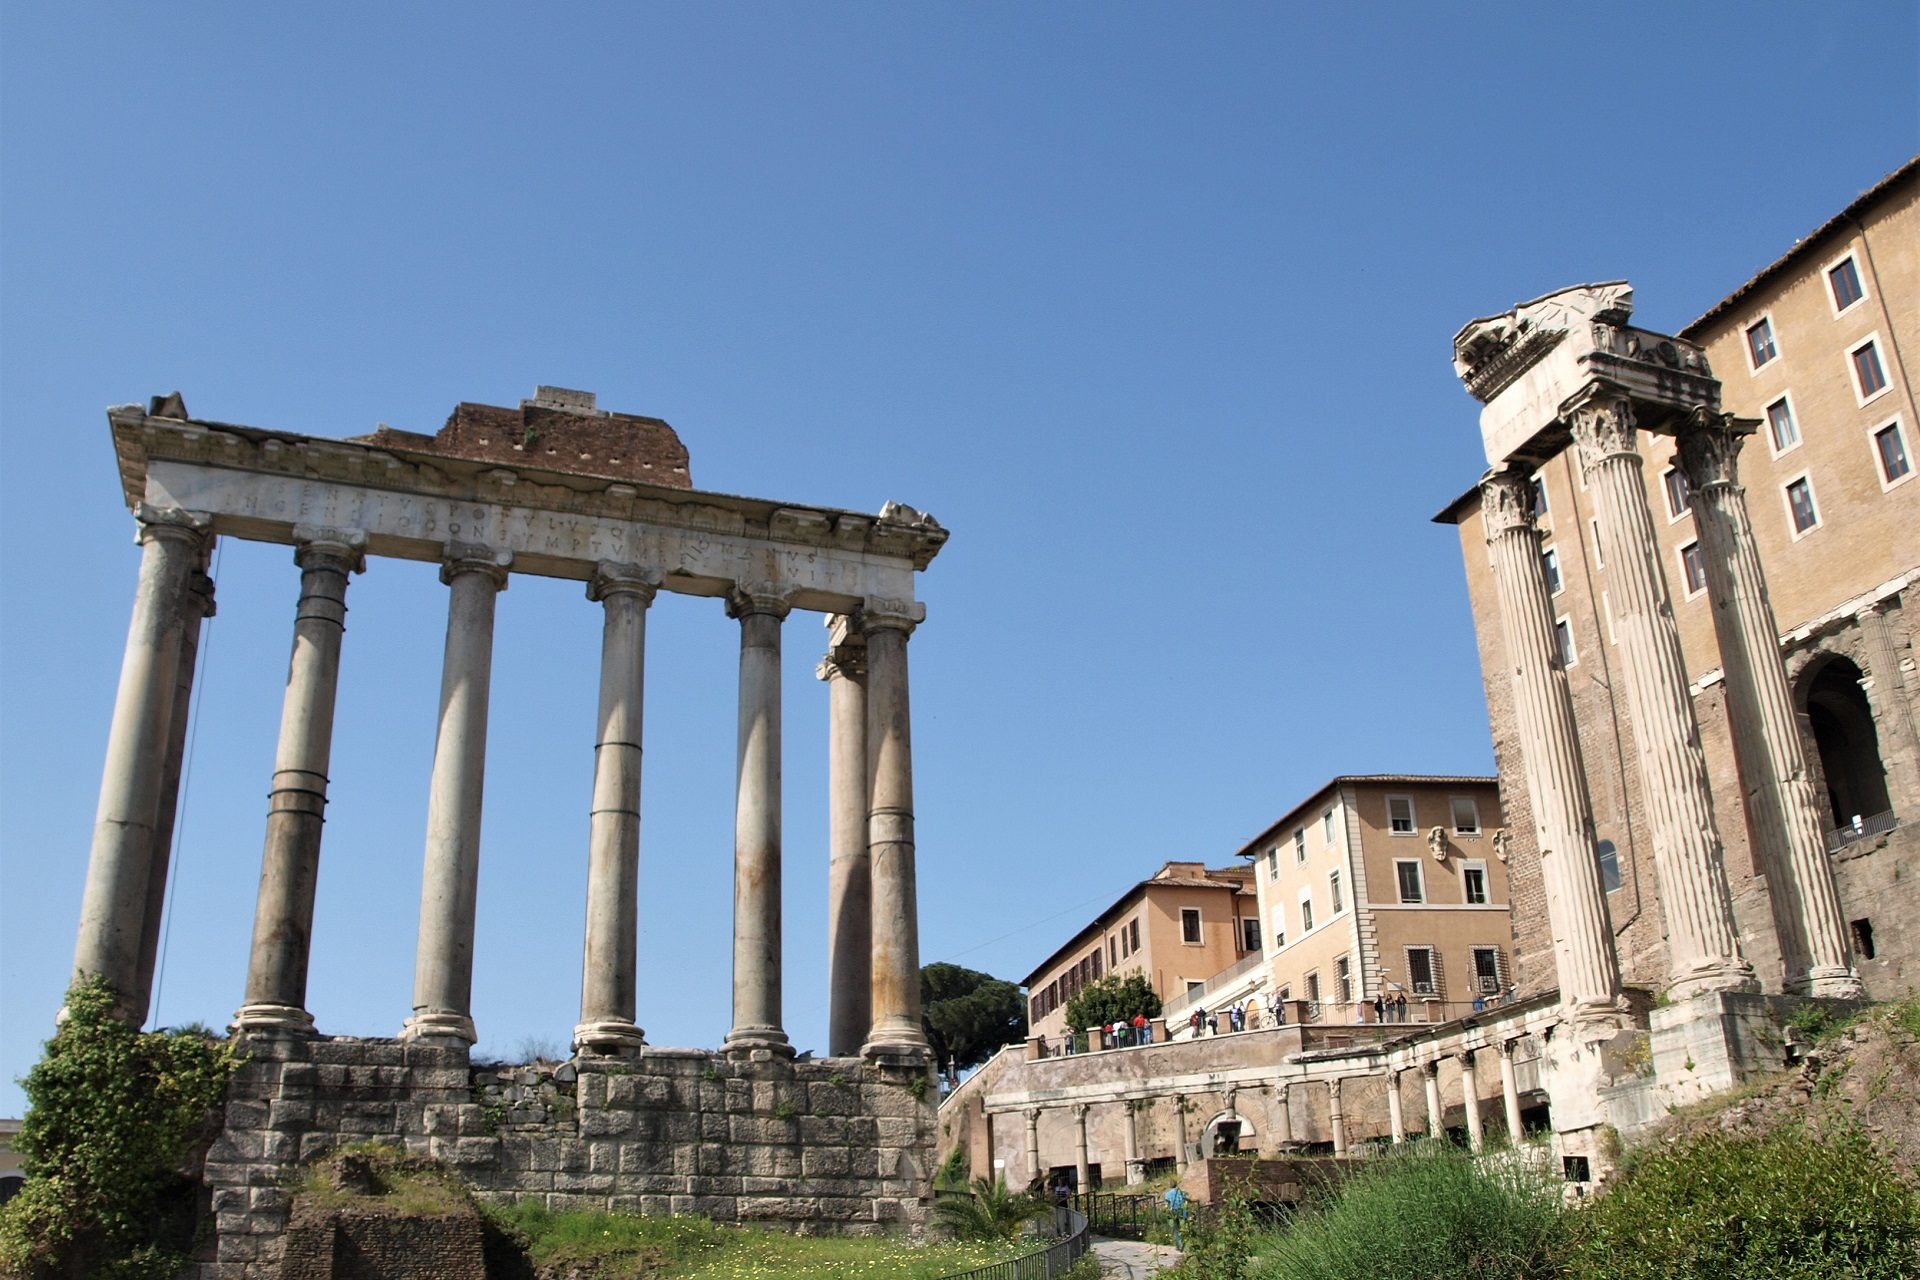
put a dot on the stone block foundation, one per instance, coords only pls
(828, 1146)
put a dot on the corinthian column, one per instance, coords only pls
(1082, 1170)
(608, 980)
(1510, 1091)
(449, 883)
(1336, 1117)
(849, 878)
(1783, 812)
(756, 829)
(276, 1000)
(1430, 1077)
(1396, 1122)
(1470, 1098)
(1586, 965)
(120, 867)
(1033, 1143)
(897, 1028)
(1702, 943)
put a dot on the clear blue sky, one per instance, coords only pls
(1150, 305)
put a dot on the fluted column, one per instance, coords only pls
(1082, 1171)
(1703, 945)
(276, 993)
(1510, 1090)
(1436, 1119)
(1336, 1117)
(199, 608)
(449, 881)
(756, 829)
(1033, 1143)
(120, 866)
(1586, 964)
(1470, 1099)
(608, 980)
(849, 875)
(1396, 1122)
(1783, 811)
(895, 977)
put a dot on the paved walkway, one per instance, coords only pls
(1132, 1260)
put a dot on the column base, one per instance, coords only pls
(283, 1021)
(1714, 975)
(609, 1038)
(897, 1039)
(441, 1030)
(751, 1042)
(1597, 1020)
(1828, 983)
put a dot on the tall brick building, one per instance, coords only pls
(1817, 349)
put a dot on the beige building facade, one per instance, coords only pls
(1811, 358)
(1179, 927)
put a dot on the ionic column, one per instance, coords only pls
(895, 975)
(608, 982)
(849, 874)
(1395, 1120)
(1180, 1132)
(756, 829)
(1470, 1099)
(449, 881)
(276, 994)
(1702, 942)
(1336, 1117)
(1082, 1171)
(1784, 812)
(1134, 1175)
(199, 608)
(1282, 1115)
(1510, 1090)
(1585, 962)
(120, 866)
(1430, 1077)
(1033, 1142)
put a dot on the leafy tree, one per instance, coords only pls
(1112, 999)
(968, 1015)
(112, 1114)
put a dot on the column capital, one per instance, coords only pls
(843, 662)
(1506, 502)
(746, 598)
(474, 557)
(200, 593)
(1080, 1110)
(1033, 1115)
(1430, 1069)
(1602, 421)
(1709, 448)
(315, 545)
(612, 578)
(1508, 1045)
(172, 522)
(1333, 1087)
(1466, 1059)
(880, 614)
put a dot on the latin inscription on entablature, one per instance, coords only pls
(704, 552)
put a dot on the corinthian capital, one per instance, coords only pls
(1709, 450)
(1506, 502)
(1601, 419)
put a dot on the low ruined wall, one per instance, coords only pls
(835, 1145)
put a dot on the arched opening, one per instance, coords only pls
(1229, 1133)
(1849, 747)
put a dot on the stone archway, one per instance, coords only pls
(1227, 1133)
(1840, 721)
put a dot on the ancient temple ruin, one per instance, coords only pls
(563, 489)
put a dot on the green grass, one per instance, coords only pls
(620, 1247)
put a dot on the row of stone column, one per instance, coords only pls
(1689, 859)
(1336, 1112)
(875, 952)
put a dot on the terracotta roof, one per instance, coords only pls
(1237, 884)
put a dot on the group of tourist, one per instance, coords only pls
(1120, 1034)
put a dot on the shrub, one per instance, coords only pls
(1785, 1205)
(1427, 1211)
(112, 1114)
(989, 1212)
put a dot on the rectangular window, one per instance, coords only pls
(1473, 883)
(1550, 565)
(1844, 279)
(1407, 872)
(1189, 924)
(1249, 934)
(1113, 952)
(1760, 346)
(1279, 928)
(1420, 975)
(1867, 373)
(1273, 863)
(1599, 556)
(1306, 911)
(1286, 993)
(1678, 500)
(1563, 640)
(1195, 989)
(1466, 816)
(1781, 428)
(1890, 449)
(1333, 886)
(1486, 970)
(1133, 931)
(1800, 505)
(1400, 815)
(1609, 859)
(1300, 845)
(1343, 980)
(1099, 962)
(1313, 988)
(1326, 828)
(1693, 566)
(1540, 508)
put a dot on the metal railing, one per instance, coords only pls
(1120, 1214)
(1860, 829)
(1048, 1263)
